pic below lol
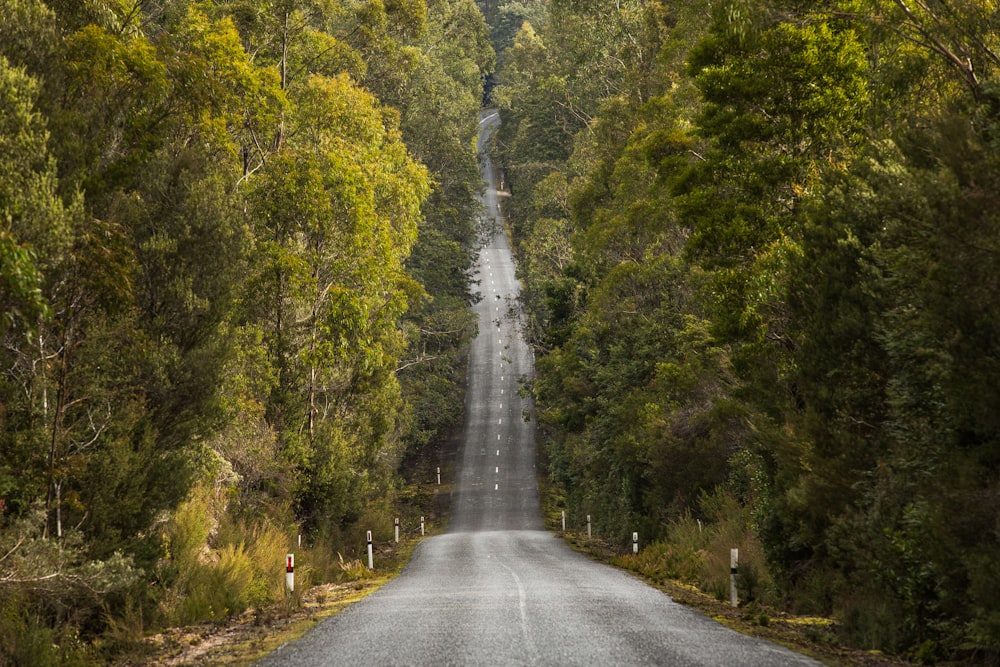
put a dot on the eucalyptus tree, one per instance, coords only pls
(207, 217)
(335, 215)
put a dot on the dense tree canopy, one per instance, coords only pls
(759, 247)
(760, 266)
(234, 243)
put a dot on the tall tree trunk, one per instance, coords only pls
(283, 71)
(53, 495)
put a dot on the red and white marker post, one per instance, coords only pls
(290, 572)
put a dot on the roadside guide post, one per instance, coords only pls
(734, 561)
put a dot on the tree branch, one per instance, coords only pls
(419, 360)
(932, 42)
(13, 549)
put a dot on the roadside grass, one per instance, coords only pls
(813, 636)
(246, 638)
(241, 639)
(692, 567)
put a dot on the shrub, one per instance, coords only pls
(354, 570)
(223, 568)
(27, 639)
(698, 552)
(728, 527)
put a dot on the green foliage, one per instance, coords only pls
(23, 303)
(210, 326)
(697, 552)
(509, 19)
(221, 569)
(34, 222)
(28, 639)
(766, 268)
(50, 590)
(354, 570)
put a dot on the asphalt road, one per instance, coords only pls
(496, 589)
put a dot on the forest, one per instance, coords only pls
(760, 248)
(760, 242)
(235, 238)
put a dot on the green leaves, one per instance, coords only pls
(772, 273)
(32, 219)
(205, 223)
(22, 304)
(337, 211)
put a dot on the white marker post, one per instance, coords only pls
(397, 530)
(588, 525)
(635, 543)
(300, 540)
(290, 572)
(421, 526)
(371, 563)
(564, 520)
(439, 476)
(734, 561)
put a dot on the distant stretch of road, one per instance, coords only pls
(496, 589)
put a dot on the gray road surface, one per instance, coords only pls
(496, 589)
